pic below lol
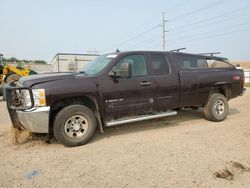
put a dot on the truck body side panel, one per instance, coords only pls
(197, 84)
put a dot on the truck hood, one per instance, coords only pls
(29, 81)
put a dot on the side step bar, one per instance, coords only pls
(140, 118)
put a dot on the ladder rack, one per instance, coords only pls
(209, 53)
(177, 50)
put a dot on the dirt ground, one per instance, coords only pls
(181, 151)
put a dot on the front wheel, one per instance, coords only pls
(216, 108)
(74, 125)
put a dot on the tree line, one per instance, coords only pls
(13, 59)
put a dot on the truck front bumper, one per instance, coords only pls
(34, 120)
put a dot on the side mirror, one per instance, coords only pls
(113, 73)
(125, 70)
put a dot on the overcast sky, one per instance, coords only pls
(38, 29)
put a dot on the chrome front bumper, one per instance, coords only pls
(35, 120)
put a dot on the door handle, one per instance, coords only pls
(145, 83)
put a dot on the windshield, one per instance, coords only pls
(98, 64)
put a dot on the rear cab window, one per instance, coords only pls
(159, 65)
(186, 61)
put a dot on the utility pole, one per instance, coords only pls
(163, 31)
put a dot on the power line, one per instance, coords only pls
(148, 40)
(164, 21)
(176, 18)
(197, 10)
(213, 23)
(177, 5)
(151, 44)
(132, 38)
(153, 38)
(232, 26)
(168, 10)
(214, 17)
(148, 21)
(213, 36)
(136, 36)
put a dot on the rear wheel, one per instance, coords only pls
(74, 125)
(216, 108)
(12, 78)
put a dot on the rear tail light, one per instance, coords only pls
(239, 78)
(236, 78)
(242, 81)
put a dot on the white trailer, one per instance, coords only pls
(69, 62)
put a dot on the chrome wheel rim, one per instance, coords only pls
(219, 107)
(76, 126)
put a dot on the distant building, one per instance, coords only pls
(41, 68)
(68, 62)
(62, 62)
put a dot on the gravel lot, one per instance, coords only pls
(181, 151)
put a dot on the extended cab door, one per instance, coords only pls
(166, 80)
(128, 96)
(188, 79)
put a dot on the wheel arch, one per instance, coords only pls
(87, 101)
(223, 88)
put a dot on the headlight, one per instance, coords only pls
(38, 95)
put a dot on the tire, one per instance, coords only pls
(74, 125)
(12, 78)
(216, 108)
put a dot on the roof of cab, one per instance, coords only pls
(174, 53)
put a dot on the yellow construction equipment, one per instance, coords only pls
(11, 73)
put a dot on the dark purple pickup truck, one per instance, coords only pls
(120, 88)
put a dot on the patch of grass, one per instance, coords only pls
(247, 84)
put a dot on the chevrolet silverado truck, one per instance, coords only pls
(119, 88)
